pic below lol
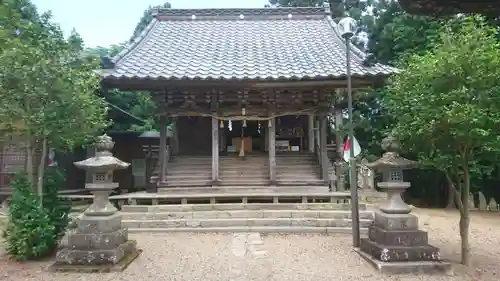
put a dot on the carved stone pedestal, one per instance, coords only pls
(99, 243)
(395, 244)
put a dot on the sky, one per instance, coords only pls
(106, 22)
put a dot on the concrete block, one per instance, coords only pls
(396, 221)
(276, 214)
(95, 257)
(95, 224)
(399, 253)
(104, 241)
(398, 238)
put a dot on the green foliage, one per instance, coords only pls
(146, 18)
(44, 83)
(447, 102)
(395, 34)
(57, 208)
(29, 234)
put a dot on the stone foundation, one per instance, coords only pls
(99, 242)
(395, 240)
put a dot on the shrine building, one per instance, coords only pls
(247, 92)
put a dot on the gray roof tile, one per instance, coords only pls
(218, 44)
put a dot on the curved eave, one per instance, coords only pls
(246, 78)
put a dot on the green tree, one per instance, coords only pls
(47, 91)
(447, 104)
(146, 18)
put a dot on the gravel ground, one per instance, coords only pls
(243, 257)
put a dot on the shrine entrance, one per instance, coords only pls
(250, 131)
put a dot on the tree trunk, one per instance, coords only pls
(465, 218)
(29, 159)
(451, 197)
(41, 170)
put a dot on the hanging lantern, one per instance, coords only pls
(269, 123)
(244, 123)
(221, 124)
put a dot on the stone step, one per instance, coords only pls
(229, 222)
(260, 229)
(238, 206)
(248, 214)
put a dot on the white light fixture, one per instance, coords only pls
(221, 124)
(347, 27)
(290, 16)
(193, 17)
(242, 17)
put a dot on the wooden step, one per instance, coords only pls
(244, 189)
(229, 182)
(186, 182)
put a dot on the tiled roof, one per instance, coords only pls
(240, 44)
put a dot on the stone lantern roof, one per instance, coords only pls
(104, 159)
(391, 158)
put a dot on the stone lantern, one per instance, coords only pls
(99, 243)
(394, 243)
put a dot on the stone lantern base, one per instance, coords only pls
(98, 244)
(395, 245)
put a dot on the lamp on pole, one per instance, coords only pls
(347, 27)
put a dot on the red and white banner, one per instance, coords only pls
(347, 149)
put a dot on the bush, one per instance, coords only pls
(57, 208)
(30, 234)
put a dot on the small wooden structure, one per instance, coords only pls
(242, 81)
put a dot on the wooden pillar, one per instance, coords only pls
(175, 138)
(310, 126)
(323, 123)
(339, 147)
(272, 150)
(215, 150)
(162, 151)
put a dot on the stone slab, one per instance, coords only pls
(95, 257)
(103, 268)
(96, 224)
(418, 267)
(398, 237)
(102, 241)
(399, 253)
(396, 221)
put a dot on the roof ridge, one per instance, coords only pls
(236, 12)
